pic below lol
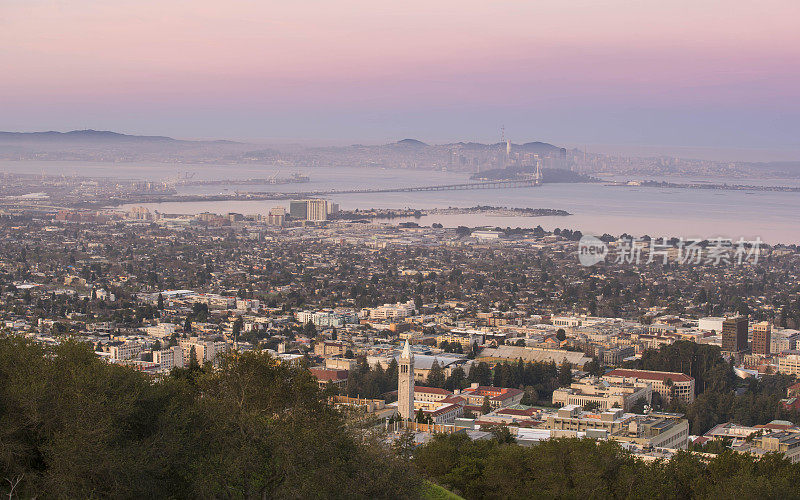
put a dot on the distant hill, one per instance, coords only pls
(79, 136)
(411, 142)
(93, 136)
(528, 147)
(106, 145)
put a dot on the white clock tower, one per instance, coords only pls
(405, 384)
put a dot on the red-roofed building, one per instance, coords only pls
(791, 404)
(499, 397)
(325, 376)
(664, 383)
(445, 414)
(430, 394)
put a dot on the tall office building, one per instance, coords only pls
(313, 209)
(317, 210)
(298, 209)
(734, 334)
(762, 338)
(277, 216)
(405, 384)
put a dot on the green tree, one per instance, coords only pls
(456, 380)
(565, 374)
(193, 362)
(480, 373)
(436, 376)
(74, 426)
(237, 328)
(639, 406)
(486, 407)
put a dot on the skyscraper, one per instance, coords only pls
(312, 209)
(316, 210)
(405, 383)
(734, 334)
(762, 333)
(277, 216)
(298, 209)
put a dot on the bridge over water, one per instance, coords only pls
(274, 195)
(443, 187)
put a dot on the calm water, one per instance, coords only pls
(596, 208)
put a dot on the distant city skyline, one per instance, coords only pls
(704, 75)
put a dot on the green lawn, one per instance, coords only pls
(433, 491)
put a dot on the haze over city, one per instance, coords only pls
(631, 74)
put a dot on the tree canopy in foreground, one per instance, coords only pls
(73, 426)
(573, 468)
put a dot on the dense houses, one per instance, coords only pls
(343, 298)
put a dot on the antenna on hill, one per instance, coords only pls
(502, 134)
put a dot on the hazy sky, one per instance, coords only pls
(692, 73)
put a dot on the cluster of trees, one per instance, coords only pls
(757, 402)
(455, 347)
(73, 426)
(721, 396)
(538, 380)
(789, 316)
(572, 468)
(371, 383)
(702, 361)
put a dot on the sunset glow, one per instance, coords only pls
(597, 71)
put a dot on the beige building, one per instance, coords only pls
(466, 341)
(789, 363)
(205, 351)
(125, 351)
(604, 394)
(664, 383)
(762, 338)
(340, 364)
(317, 210)
(277, 216)
(653, 430)
(393, 311)
(330, 348)
(169, 358)
(786, 443)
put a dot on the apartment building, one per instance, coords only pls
(124, 351)
(169, 358)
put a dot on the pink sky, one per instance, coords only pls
(261, 64)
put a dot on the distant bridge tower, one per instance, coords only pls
(538, 169)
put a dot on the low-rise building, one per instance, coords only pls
(123, 351)
(655, 430)
(666, 384)
(326, 377)
(169, 358)
(604, 394)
